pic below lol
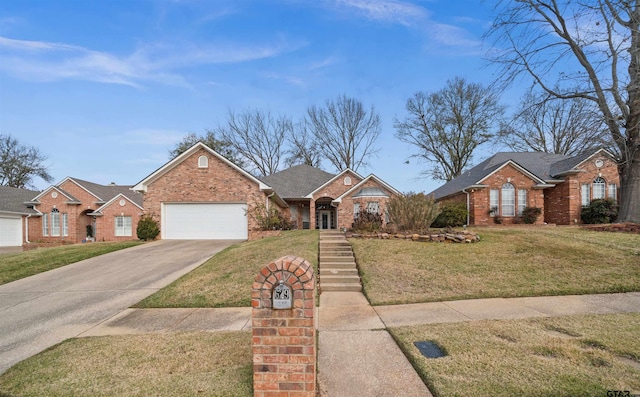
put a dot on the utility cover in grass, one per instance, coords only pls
(429, 349)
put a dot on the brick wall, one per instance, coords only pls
(186, 182)
(334, 190)
(345, 210)
(106, 226)
(284, 341)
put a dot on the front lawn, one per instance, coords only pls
(174, 364)
(226, 279)
(24, 264)
(563, 356)
(507, 262)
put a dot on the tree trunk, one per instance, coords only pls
(630, 190)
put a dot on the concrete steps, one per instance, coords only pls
(338, 270)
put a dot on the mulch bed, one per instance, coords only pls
(626, 227)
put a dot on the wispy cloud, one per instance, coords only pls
(160, 63)
(385, 10)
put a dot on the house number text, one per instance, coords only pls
(282, 296)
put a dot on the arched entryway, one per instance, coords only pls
(326, 214)
(84, 220)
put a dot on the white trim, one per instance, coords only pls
(362, 182)
(119, 196)
(518, 167)
(330, 181)
(80, 186)
(606, 152)
(143, 184)
(47, 190)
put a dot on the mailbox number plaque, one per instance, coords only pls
(282, 296)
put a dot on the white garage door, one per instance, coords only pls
(204, 221)
(10, 232)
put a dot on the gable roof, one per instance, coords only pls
(12, 200)
(545, 168)
(142, 185)
(102, 193)
(118, 197)
(298, 181)
(369, 191)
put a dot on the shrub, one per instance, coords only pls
(367, 221)
(530, 214)
(269, 219)
(413, 212)
(147, 228)
(600, 211)
(452, 215)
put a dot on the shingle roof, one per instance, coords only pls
(297, 181)
(107, 192)
(12, 200)
(544, 166)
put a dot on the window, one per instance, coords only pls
(203, 162)
(347, 181)
(494, 203)
(45, 224)
(585, 194)
(123, 226)
(65, 224)
(613, 191)
(356, 210)
(373, 207)
(522, 200)
(55, 222)
(508, 200)
(598, 188)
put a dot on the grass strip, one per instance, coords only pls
(563, 356)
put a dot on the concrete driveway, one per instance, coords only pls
(40, 311)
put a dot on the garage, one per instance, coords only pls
(204, 221)
(10, 231)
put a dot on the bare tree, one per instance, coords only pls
(344, 131)
(303, 148)
(20, 164)
(587, 50)
(222, 147)
(553, 125)
(448, 125)
(258, 138)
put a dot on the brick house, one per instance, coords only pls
(499, 188)
(202, 195)
(64, 211)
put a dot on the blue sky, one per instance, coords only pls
(106, 88)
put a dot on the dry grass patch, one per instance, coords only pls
(508, 262)
(24, 264)
(183, 364)
(225, 280)
(564, 356)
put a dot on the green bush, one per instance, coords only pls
(412, 212)
(147, 228)
(530, 214)
(600, 211)
(269, 219)
(367, 221)
(452, 215)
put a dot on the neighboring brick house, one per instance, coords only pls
(202, 195)
(500, 187)
(63, 212)
(14, 215)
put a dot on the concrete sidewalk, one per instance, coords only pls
(351, 311)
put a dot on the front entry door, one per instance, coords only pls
(325, 220)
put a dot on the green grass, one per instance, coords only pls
(24, 264)
(508, 262)
(563, 356)
(226, 279)
(176, 364)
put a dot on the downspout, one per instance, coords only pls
(468, 210)
(26, 226)
(268, 197)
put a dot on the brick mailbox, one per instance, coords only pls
(284, 334)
